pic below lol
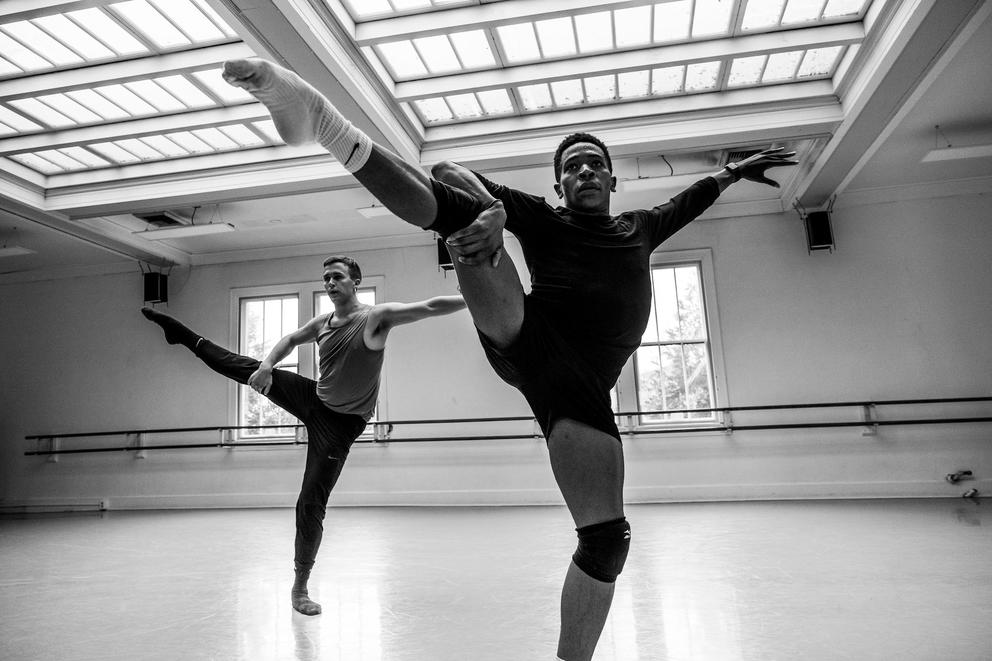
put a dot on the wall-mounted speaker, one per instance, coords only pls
(443, 257)
(156, 287)
(819, 234)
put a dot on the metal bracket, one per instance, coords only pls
(54, 445)
(139, 445)
(871, 424)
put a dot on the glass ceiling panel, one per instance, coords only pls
(802, 11)
(191, 143)
(633, 84)
(437, 53)
(837, 8)
(140, 149)
(74, 37)
(155, 95)
(820, 61)
(519, 42)
(42, 113)
(37, 163)
(181, 88)
(535, 97)
(495, 102)
(762, 14)
(215, 138)
(23, 58)
(672, 20)
(115, 153)
(556, 36)
(126, 99)
(151, 24)
(188, 17)
(6, 68)
(464, 106)
(473, 49)
(781, 66)
(632, 26)
(402, 59)
(40, 42)
(60, 159)
(268, 128)
(242, 135)
(594, 31)
(567, 92)
(85, 156)
(71, 109)
(600, 88)
(98, 104)
(108, 31)
(16, 120)
(711, 18)
(165, 146)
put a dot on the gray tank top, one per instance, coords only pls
(349, 370)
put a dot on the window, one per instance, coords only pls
(263, 321)
(675, 374)
(260, 317)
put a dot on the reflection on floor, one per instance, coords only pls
(861, 580)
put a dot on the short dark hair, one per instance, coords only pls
(354, 271)
(573, 139)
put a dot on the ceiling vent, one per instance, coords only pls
(163, 218)
(737, 155)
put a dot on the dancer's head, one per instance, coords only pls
(354, 271)
(341, 278)
(584, 173)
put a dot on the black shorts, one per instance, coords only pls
(553, 373)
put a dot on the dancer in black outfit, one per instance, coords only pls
(564, 343)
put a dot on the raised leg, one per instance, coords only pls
(302, 115)
(588, 466)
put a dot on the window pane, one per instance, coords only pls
(632, 26)
(473, 49)
(263, 322)
(762, 14)
(666, 306)
(595, 31)
(671, 21)
(556, 36)
(438, 54)
(690, 304)
(519, 42)
(712, 17)
(698, 391)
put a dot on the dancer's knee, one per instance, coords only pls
(602, 549)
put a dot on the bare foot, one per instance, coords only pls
(297, 109)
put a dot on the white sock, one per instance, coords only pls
(301, 113)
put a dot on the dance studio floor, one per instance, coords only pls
(768, 581)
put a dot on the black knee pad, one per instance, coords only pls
(602, 549)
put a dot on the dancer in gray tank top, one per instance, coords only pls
(334, 409)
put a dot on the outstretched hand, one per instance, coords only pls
(482, 240)
(261, 380)
(753, 168)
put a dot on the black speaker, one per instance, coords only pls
(443, 257)
(819, 235)
(156, 288)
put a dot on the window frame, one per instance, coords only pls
(626, 389)
(306, 294)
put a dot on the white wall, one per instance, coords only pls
(900, 310)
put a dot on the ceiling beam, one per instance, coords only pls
(919, 32)
(479, 16)
(22, 10)
(662, 56)
(141, 68)
(84, 196)
(811, 102)
(157, 125)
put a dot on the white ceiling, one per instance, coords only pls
(861, 132)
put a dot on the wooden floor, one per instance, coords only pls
(768, 581)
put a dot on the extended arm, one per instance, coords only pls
(386, 316)
(482, 240)
(261, 379)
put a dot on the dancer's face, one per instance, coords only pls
(586, 180)
(338, 283)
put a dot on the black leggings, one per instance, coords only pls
(330, 436)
